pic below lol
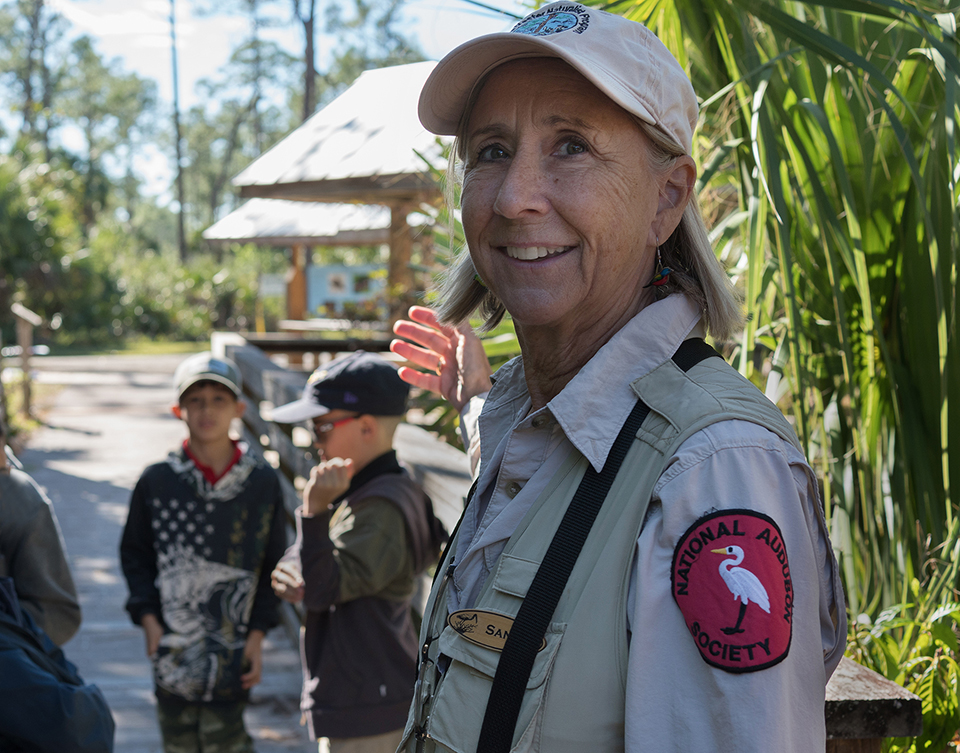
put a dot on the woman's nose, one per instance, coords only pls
(521, 190)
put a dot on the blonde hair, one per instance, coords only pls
(695, 270)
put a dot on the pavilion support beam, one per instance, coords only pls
(297, 290)
(400, 280)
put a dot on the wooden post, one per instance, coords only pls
(297, 283)
(26, 321)
(863, 707)
(400, 282)
(297, 293)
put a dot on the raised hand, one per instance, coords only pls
(327, 481)
(455, 355)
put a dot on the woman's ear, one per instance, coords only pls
(675, 195)
(175, 410)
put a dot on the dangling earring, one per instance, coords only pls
(477, 279)
(662, 277)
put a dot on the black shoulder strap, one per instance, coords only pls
(536, 611)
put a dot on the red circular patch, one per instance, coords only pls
(731, 580)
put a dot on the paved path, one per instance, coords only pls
(111, 419)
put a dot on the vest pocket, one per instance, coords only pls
(461, 698)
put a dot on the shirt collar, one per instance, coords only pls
(599, 396)
(208, 473)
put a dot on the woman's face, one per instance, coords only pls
(560, 204)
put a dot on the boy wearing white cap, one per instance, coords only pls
(204, 530)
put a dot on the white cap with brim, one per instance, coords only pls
(622, 58)
(205, 367)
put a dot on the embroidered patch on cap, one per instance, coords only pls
(554, 20)
(731, 580)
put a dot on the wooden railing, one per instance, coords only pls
(862, 707)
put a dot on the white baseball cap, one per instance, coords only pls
(622, 58)
(205, 367)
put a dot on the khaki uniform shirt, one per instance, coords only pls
(676, 701)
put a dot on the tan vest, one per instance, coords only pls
(575, 696)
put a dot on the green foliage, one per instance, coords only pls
(915, 644)
(161, 298)
(37, 217)
(368, 38)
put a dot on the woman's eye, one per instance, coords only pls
(491, 153)
(572, 147)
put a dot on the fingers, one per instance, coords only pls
(291, 595)
(423, 380)
(426, 316)
(426, 359)
(153, 643)
(287, 582)
(432, 340)
(327, 481)
(252, 677)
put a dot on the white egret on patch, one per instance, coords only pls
(743, 584)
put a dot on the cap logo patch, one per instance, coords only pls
(731, 579)
(482, 628)
(349, 398)
(557, 19)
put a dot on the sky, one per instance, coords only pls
(137, 32)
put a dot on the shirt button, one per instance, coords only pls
(513, 489)
(540, 421)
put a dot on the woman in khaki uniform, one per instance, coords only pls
(698, 606)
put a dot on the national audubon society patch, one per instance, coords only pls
(731, 579)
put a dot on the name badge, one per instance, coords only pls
(487, 629)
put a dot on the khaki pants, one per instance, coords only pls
(385, 743)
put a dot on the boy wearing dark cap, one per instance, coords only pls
(204, 531)
(366, 530)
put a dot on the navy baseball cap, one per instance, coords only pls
(360, 382)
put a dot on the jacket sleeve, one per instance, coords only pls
(265, 614)
(39, 568)
(61, 716)
(367, 552)
(677, 700)
(138, 558)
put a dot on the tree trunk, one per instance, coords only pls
(310, 69)
(181, 234)
(47, 98)
(257, 75)
(29, 101)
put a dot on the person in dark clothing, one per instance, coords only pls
(366, 530)
(44, 704)
(204, 531)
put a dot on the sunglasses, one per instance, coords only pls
(320, 430)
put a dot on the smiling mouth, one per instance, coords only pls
(534, 252)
